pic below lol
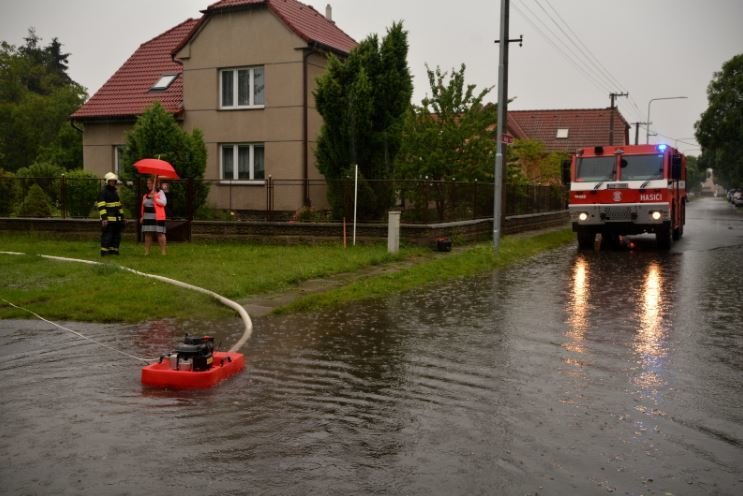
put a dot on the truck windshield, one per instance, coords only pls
(596, 169)
(642, 167)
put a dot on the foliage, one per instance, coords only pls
(720, 128)
(362, 100)
(45, 174)
(448, 137)
(694, 174)
(156, 134)
(9, 192)
(36, 203)
(81, 190)
(529, 163)
(37, 97)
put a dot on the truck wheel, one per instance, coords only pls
(586, 239)
(664, 236)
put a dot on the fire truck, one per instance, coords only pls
(621, 190)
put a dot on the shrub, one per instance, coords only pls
(36, 203)
(9, 192)
(45, 174)
(81, 190)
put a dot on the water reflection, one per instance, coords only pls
(578, 307)
(649, 340)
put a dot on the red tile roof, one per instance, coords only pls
(128, 92)
(585, 127)
(303, 20)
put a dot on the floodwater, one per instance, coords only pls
(574, 373)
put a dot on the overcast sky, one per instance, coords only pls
(575, 52)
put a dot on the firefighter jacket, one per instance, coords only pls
(109, 205)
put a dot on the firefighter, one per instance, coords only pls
(112, 219)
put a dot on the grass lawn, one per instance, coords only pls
(103, 293)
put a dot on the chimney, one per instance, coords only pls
(329, 12)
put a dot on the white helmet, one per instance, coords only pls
(110, 176)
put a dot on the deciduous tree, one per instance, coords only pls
(720, 129)
(156, 134)
(37, 97)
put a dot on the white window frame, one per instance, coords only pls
(235, 88)
(235, 157)
(164, 82)
(118, 153)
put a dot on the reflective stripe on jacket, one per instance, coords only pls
(109, 205)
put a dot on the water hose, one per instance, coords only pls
(248, 330)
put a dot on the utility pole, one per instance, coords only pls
(612, 96)
(502, 116)
(637, 129)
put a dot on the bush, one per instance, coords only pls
(81, 191)
(45, 174)
(9, 192)
(36, 203)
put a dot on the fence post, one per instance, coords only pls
(393, 232)
(63, 197)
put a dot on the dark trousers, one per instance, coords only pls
(111, 238)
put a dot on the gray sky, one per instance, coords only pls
(650, 48)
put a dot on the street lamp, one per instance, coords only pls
(647, 129)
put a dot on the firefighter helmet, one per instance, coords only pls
(110, 176)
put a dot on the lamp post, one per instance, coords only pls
(647, 129)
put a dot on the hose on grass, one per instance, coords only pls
(247, 322)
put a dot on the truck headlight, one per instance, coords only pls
(583, 216)
(655, 215)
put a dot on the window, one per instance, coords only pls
(119, 151)
(596, 168)
(242, 88)
(242, 162)
(641, 167)
(562, 133)
(164, 82)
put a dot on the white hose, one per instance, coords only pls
(225, 301)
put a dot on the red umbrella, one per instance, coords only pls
(156, 167)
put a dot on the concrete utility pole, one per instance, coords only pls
(502, 116)
(612, 96)
(637, 129)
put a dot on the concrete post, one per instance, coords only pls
(393, 232)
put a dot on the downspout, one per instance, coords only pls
(305, 130)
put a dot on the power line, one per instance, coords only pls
(598, 83)
(592, 60)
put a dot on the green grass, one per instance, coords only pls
(461, 263)
(82, 292)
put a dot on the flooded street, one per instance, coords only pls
(573, 373)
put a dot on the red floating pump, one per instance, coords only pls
(193, 365)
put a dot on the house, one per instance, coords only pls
(566, 130)
(244, 73)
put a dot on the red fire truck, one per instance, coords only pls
(632, 189)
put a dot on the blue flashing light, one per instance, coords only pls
(662, 147)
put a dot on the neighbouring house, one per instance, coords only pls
(566, 130)
(244, 73)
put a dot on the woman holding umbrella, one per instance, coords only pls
(152, 216)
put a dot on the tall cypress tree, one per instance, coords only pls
(363, 100)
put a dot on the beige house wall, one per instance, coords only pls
(99, 145)
(245, 39)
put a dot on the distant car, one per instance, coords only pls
(738, 198)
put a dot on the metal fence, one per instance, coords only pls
(285, 200)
